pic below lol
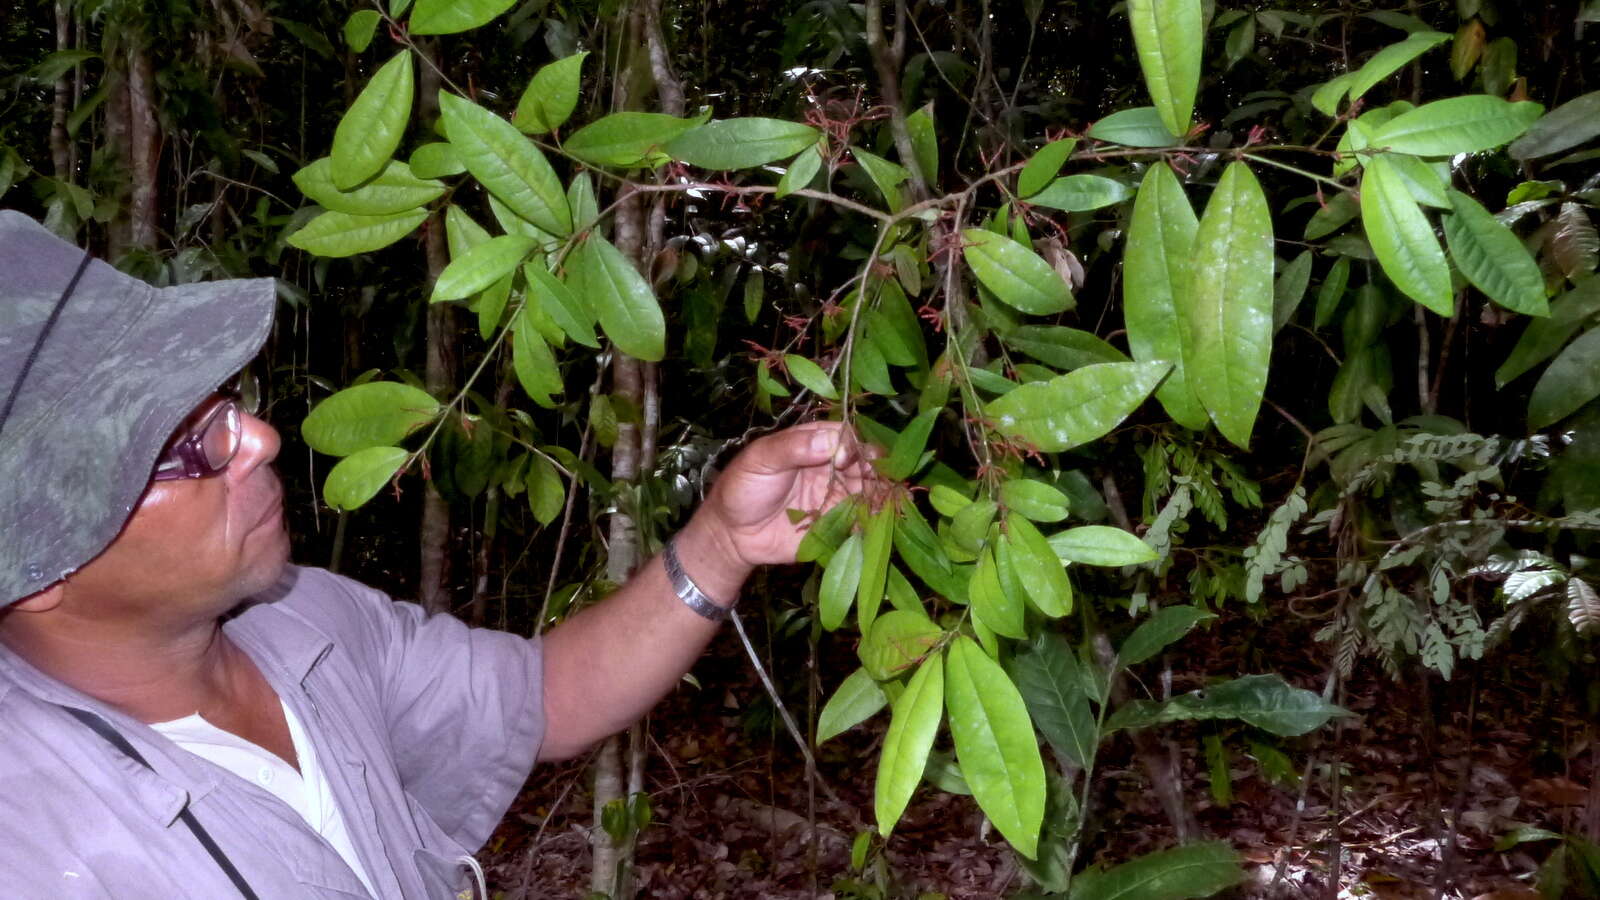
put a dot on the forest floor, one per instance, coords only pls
(1424, 794)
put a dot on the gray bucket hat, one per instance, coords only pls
(96, 370)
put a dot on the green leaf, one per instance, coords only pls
(810, 376)
(454, 16)
(969, 527)
(877, 544)
(357, 477)
(1568, 125)
(742, 143)
(1137, 127)
(57, 64)
(1424, 183)
(551, 96)
(1169, 35)
(1454, 125)
(1543, 337)
(912, 726)
(563, 306)
(992, 605)
(1326, 97)
(434, 160)
(898, 640)
(858, 699)
(1047, 675)
(481, 267)
(1332, 291)
(886, 176)
(1062, 347)
(359, 28)
(1290, 289)
(1157, 632)
(546, 494)
(581, 200)
(906, 454)
(1100, 545)
(1017, 275)
(1571, 381)
(1081, 193)
(840, 583)
(1156, 288)
(1036, 565)
(371, 128)
(1241, 41)
(1075, 408)
(1181, 873)
(535, 365)
(824, 535)
(1391, 59)
(1034, 500)
(375, 414)
(1403, 239)
(995, 744)
(1230, 304)
(625, 138)
(1493, 259)
(506, 163)
(801, 172)
(919, 547)
(620, 297)
(924, 142)
(1265, 701)
(1043, 166)
(1339, 211)
(341, 234)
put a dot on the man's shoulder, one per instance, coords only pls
(329, 604)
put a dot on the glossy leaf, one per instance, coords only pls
(1571, 381)
(1017, 275)
(1265, 701)
(1154, 634)
(551, 95)
(1081, 193)
(923, 132)
(1457, 125)
(362, 474)
(1062, 347)
(1181, 873)
(1137, 127)
(810, 376)
(1403, 239)
(375, 414)
(1100, 545)
(858, 699)
(373, 125)
(533, 362)
(620, 297)
(1391, 59)
(1047, 674)
(992, 605)
(1493, 259)
(506, 163)
(1325, 99)
(902, 461)
(625, 138)
(454, 16)
(561, 304)
(1425, 184)
(1044, 165)
(877, 545)
(1036, 565)
(742, 143)
(995, 744)
(1074, 408)
(1156, 288)
(840, 581)
(801, 172)
(919, 548)
(1169, 35)
(437, 159)
(1568, 125)
(481, 267)
(912, 727)
(1543, 337)
(1034, 500)
(898, 640)
(886, 176)
(341, 234)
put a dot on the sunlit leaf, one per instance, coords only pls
(454, 16)
(1077, 407)
(1391, 59)
(1137, 127)
(533, 362)
(1457, 125)
(625, 138)
(565, 308)
(481, 266)
(840, 581)
(1034, 500)
(358, 29)
(898, 640)
(436, 160)
(1181, 873)
(877, 545)
(1036, 566)
(904, 456)
(373, 125)
(1043, 166)
(1081, 193)
(1100, 545)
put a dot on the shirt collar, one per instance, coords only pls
(283, 637)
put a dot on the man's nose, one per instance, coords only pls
(258, 444)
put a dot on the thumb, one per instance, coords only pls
(810, 444)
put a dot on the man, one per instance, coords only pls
(185, 715)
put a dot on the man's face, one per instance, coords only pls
(194, 547)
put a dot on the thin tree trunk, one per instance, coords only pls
(60, 155)
(433, 537)
(144, 144)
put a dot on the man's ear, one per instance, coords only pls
(44, 601)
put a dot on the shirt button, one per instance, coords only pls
(264, 775)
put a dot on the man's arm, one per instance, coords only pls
(607, 666)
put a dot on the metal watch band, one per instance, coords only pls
(686, 589)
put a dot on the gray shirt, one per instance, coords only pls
(426, 730)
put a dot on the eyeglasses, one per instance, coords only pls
(205, 443)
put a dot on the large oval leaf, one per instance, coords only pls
(742, 143)
(1230, 304)
(357, 477)
(1563, 128)
(1017, 275)
(506, 163)
(912, 727)
(395, 189)
(1457, 125)
(625, 138)
(995, 744)
(1077, 407)
(454, 16)
(1081, 193)
(1156, 288)
(375, 414)
(1391, 59)
(1181, 873)
(1137, 127)
(481, 266)
(1169, 35)
(1571, 381)
(898, 640)
(1402, 238)
(858, 699)
(1062, 347)
(1543, 337)
(1047, 675)
(1034, 500)
(371, 128)
(1025, 556)
(999, 610)
(620, 297)
(551, 95)
(1043, 166)
(341, 234)
(561, 304)
(1159, 631)
(1492, 258)
(534, 363)
(1100, 545)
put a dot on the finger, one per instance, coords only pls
(808, 444)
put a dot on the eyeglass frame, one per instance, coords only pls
(186, 457)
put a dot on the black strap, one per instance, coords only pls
(44, 335)
(114, 738)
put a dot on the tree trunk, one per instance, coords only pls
(433, 537)
(144, 144)
(60, 155)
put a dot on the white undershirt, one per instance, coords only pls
(307, 791)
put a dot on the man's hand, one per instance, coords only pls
(809, 467)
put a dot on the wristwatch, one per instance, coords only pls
(686, 589)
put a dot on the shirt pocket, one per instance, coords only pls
(450, 877)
